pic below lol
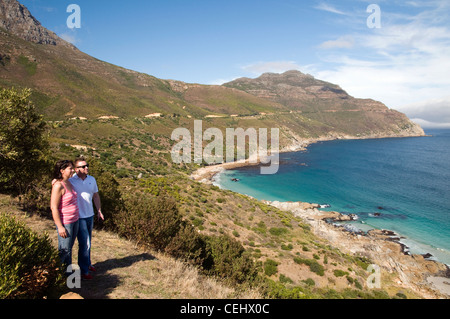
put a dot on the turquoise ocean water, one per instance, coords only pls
(400, 184)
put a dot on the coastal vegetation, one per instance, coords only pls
(153, 203)
(30, 264)
(59, 103)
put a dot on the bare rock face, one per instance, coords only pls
(427, 278)
(16, 19)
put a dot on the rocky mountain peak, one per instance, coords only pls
(292, 88)
(17, 20)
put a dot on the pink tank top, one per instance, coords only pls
(68, 207)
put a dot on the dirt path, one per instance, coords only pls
(125, 271)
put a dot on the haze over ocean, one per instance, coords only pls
(405, 180)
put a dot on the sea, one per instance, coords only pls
(398, 184)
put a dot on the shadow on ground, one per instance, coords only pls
(104, 282)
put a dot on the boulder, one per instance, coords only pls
(71, 295)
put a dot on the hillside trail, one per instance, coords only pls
(126, 271)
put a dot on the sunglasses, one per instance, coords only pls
(83, 167)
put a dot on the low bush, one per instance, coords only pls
(314, 266)
(150, 221)
(340, 273)
(110, 195)
(270, 267)
(278, 231)
(187, 245)
(156, 222)
(228, 259)
(29, 264)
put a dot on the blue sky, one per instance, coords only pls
(405, 63)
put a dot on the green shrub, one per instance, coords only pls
(110, 195)
(309, 282)
(278, 231)
(197, 222)
(261, 228)
(287, 247)
(285, 280)
(314, 266)
(363, 262)
(277, 290)
(29, 264)
(24, 143)
(156, 222)
(150, 221)
(270, 267)
(187, 245)
(317, 268)
(228, 259)
(400, 295)
(340, 273)
(358, 284)
(37, 197)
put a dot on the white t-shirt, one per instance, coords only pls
(85, 190)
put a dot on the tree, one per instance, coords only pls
(23, 142)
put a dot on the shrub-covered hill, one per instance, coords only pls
(155, 204)
(290, 261)
(128, 271)
(68, 83)
(122, 120)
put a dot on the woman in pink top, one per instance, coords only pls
(65, 211)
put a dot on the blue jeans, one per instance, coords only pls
(84, 241)
(65, 245)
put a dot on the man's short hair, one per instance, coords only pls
(79, 159)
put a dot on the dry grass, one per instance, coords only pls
(125, 271)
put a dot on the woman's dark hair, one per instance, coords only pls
(61, 165)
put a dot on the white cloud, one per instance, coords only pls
(345, 42)
(326, 7)
(433, 111)
(427, 124)
(222, 81)
(69, 37)
(273, 66)
(405, 64)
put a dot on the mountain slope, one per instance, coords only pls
(16, 19)
(327, 103)
(68, 83)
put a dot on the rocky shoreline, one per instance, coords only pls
(428, 278)
(206, 174)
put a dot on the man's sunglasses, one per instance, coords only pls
(83, 167)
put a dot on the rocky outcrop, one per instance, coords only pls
(329, 104)
(426, 277)
(16, 19)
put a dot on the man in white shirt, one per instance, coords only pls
(87, 190)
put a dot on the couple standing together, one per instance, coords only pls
(73, 212)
